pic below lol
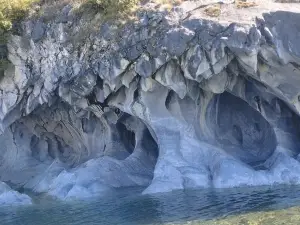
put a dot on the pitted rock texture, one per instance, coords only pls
(168, 102)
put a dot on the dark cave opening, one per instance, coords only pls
(241, 130)
(150, 144)
(127, 137)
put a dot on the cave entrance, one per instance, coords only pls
(241, 130)
(127, 137)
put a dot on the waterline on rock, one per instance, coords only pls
(129, 207)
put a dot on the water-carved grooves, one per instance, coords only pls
(180, 108)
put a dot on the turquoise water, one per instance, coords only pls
(129, 207)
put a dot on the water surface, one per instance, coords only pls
(129, 207)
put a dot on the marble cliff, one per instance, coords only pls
(170, 101)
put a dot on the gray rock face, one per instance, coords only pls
(166, 103)
(10, 197)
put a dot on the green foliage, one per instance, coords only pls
(114, 8)
(12, 10)
(15, 10)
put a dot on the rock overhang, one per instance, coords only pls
(174, 102)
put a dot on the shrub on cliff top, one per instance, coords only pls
(11, 10)
(113, 8)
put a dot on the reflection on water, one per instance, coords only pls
(129, 207)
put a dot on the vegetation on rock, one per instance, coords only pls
(114, 7)
(12, 10)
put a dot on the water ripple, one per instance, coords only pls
(129, 207)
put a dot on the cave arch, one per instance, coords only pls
(241, 130)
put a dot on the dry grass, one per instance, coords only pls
(113, 8)
(12, 10)
(245, 4)
(213, 11)
(167, 4)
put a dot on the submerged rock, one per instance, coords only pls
(11, 197)
(172, 101)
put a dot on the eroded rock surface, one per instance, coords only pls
(11, 197)
(169, 102)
